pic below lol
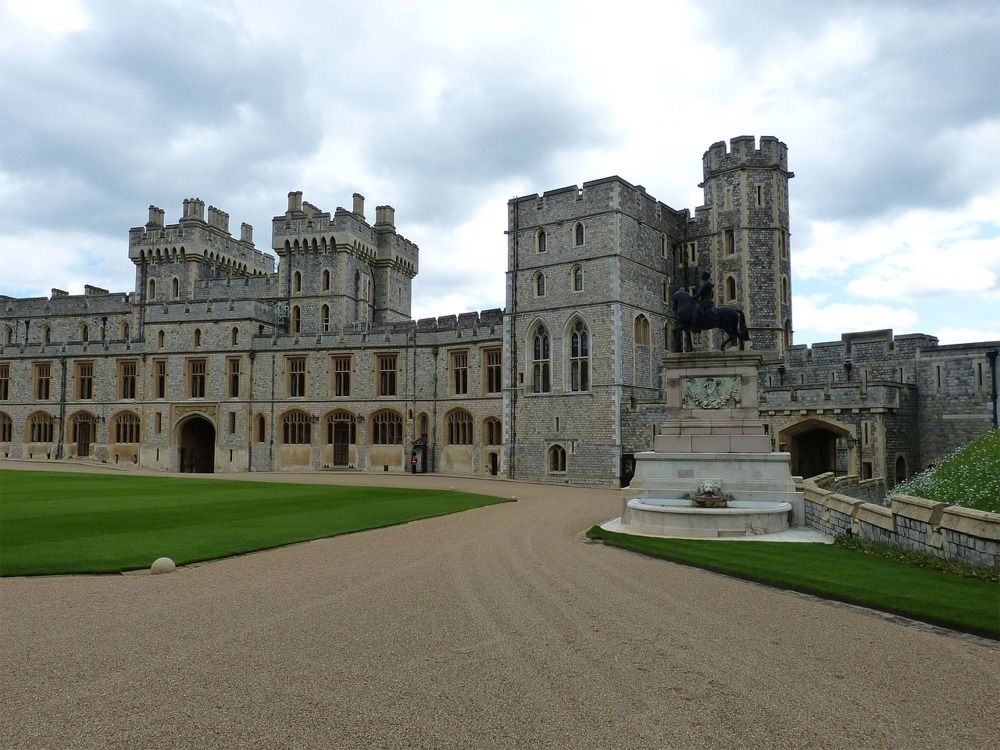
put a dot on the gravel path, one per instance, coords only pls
(496, 628)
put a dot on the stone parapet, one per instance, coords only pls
(950, 532)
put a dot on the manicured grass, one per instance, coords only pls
(54, 522)
(832, 572)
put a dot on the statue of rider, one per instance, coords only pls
(704, 299)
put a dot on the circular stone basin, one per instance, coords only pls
(677, 517)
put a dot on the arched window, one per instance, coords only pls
(784, 289)
(234, 336)
(297, 281)
(161, 337)
(493, 431)
(296, 428)
(730, 289)
(540, 361)
(260, 428)
(152, 290)
(577, 279)
(578, 233)
(197, 337)
(39, 428)
(387, 428)
(579, 358)
(642, 331)
(175, 288)
(557, 459)
(46, 335)
(539, 284)
(459, 426)
(326, 280)
(125, 331)
(540, 241)
(325, 317)
(663, 246)
(126, 427)
(424, 424)
(84, 332)
(8, 336)
(296, 319)
(6, 428)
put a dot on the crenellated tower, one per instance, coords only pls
(174, 260)
(741, 234)
(339, 272)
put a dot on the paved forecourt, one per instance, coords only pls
(495, 628)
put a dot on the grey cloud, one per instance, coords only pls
(104, 110)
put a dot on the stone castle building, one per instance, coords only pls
(217, 362)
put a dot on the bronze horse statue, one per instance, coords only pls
(730, 320)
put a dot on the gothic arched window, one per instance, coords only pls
(579, 358)
(540, 360)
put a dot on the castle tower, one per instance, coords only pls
(338, 272)
(741, 234)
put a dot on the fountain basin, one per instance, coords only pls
(678, 517)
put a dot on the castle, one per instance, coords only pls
(217, 362)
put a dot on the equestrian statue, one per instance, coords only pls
(698, 313)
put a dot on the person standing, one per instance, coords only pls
(413, 462)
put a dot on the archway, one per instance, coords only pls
(813, 447)
(197, 446)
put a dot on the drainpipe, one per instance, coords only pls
(992, 356)
(62, 408)
(512, 385)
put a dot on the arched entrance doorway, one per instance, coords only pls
(813, 447)
(197, 446)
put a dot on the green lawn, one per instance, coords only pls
(54, 522)
(832, 572)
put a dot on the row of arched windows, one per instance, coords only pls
(579, 236)
(385, 428)
(40, 427)
(577, 355)
(576, 277)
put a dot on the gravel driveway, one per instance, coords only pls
(500, 627)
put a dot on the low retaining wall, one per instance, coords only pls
(912, 522)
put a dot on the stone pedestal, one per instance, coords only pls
(712, 433)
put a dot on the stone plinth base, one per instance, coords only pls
(754, 477)
(677, 518)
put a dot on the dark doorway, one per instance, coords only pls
(813, 451)
(494, 464)
(341, 441)
(197, 446)
(84, 436)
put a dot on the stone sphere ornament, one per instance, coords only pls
(162, 565)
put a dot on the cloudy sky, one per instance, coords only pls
(445, 110)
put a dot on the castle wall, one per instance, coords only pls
(268, 345)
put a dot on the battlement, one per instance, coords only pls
(608, 193)
(192, 237)
(743, 152)
(306, 228)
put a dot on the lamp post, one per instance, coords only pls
(851, 442)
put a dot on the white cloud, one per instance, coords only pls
(827, 321)
(890, 112)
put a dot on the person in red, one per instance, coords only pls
(413, 462)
